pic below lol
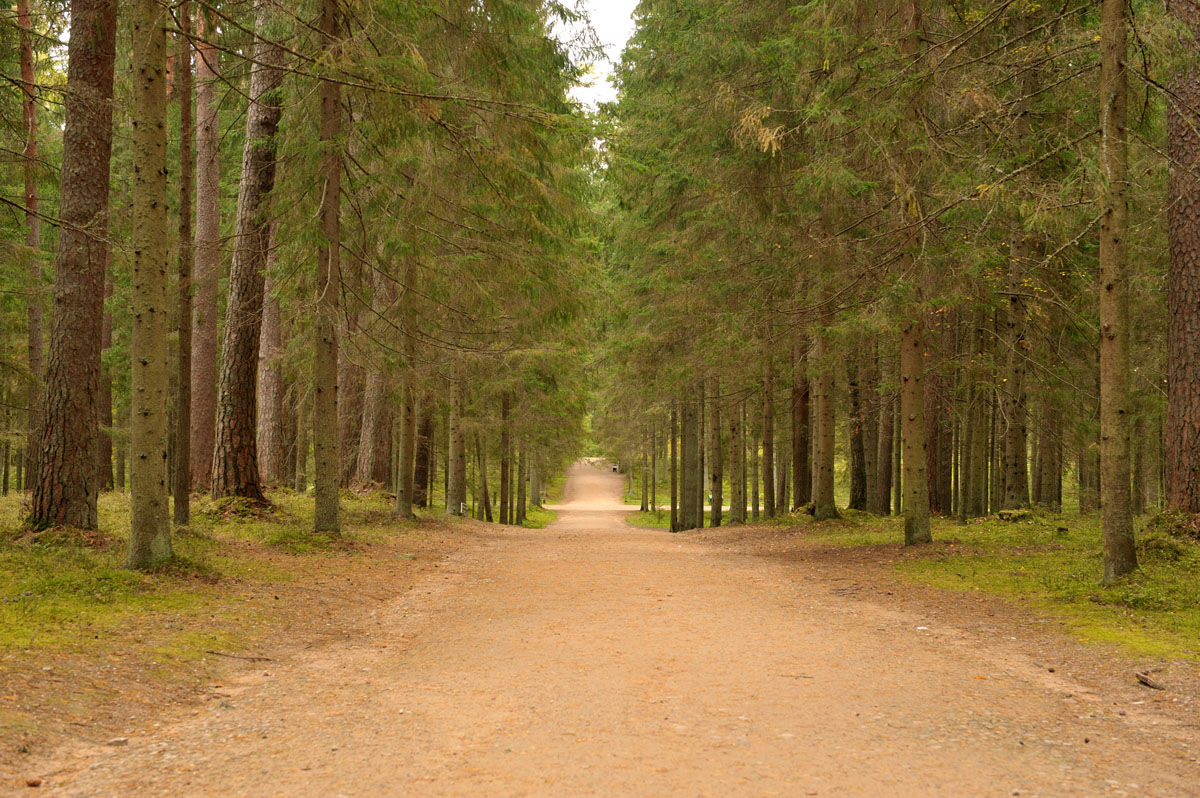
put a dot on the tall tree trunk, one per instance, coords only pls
(303, 425)
(485, 499)
(1183, 275)
(182, 481)
(754, 503)
(371, 453)
(505, 462)
(883, 461)
(1012, 390)
(406, 460)
(271, 465)
(1120, 556)
(456, 462)
(868, 378)
(645, 507)
(801, 463)
(912, 421)
(824, 503)
(104, 458)
(522, 478)
(737, 465)
(689, 465)
(674, 446)
(768, 436)
(207, 257)
(149, 433)
(1050, 457)
(235, 456)
(325, 387)
(858, 466)
(33, 238)
(716, 461)
(66, 486)
(421, 477)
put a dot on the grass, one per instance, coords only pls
(1054, 564)
(539, 518)
(62, 591)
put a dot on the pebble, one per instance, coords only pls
(116, 741)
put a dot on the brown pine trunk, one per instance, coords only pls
(912, 430)
(1120, 556)
(824, 503)
(149, 430)
(351, 381)
(674, 446)
(182, 481)
(1050, 458)
(207, 258)
(104, 459)
(689, 468)
(505, 463)
(374, 433)
(271, 462)
(1183, 275)
(406, 481)
(421, 477)
(456, 462)
(883, 461)
(737, 451)
(801, 462)
(325, 367)
(522, 478)
(303, 425)
(33, 238)
(1012, 387)
(235, 457)
(716, 459)
(858, 466)
(754, 503)
(768, 437)
(485, 500)
(66, 486)
(869, 421)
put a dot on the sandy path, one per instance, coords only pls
(591, 658)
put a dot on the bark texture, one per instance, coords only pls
(325, 377)
(824, 504)
(235, 456)
(1120, 556)
(33, 239)
(272, 455)
(912, 423)
(207, 258)
(149, 430)
(66, 486)
(1183, 276)
(182, 481)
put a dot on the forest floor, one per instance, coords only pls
(595, 658)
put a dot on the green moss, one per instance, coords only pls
(1054, 564)
(539, 518)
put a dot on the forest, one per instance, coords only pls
(314, 318)
(940, 254)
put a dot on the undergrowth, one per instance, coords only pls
(1054, 563)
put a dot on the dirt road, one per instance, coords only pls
(596, 659)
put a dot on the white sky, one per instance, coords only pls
(613, 21)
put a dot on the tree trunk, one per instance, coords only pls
(104, 458)
(33, 239)
(207, 257)
(716, 460)
(824, 503)
(66, 485)
(406, 480)
(754, 504)
(858, 466)
(737, 465)
(485, 499)
(522, 479)
(912, 422)
(421, 465)
(1012, 391)
(371, 460)
(645, 506)
(456, 462)
(689, 466)
(235, 456)
(674, 441)
(325, 386)
(149, 433)
(768, 437)
(1183, 276)
(182, 482)
(869, 420)
(271, 464)
(801, 463)
(1120, 556)
(505, 462)
(883, 460)
(1050, 458)
(303, 425)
